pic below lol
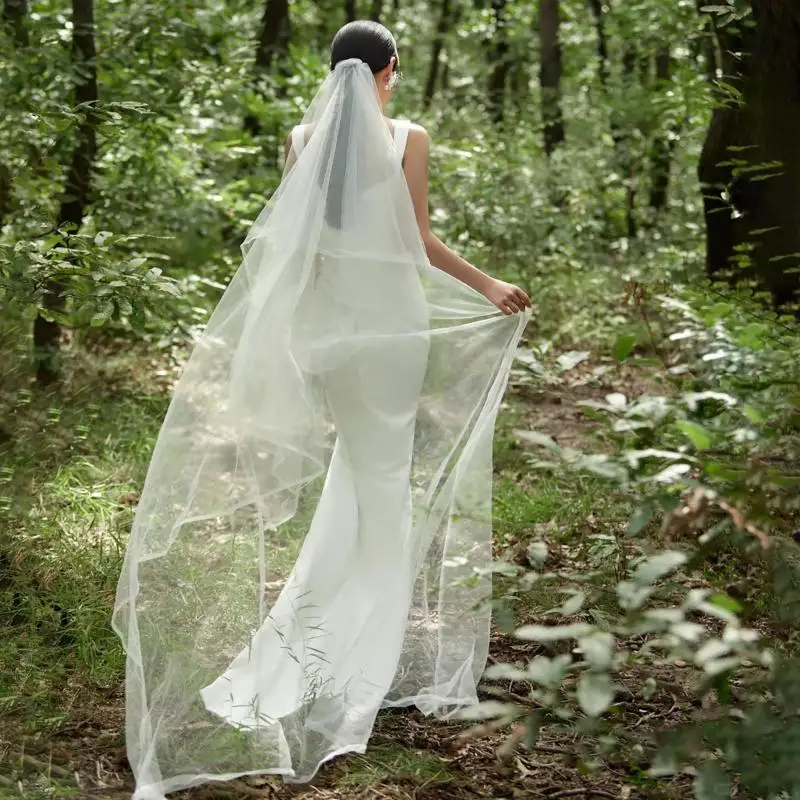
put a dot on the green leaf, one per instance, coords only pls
(534, 437)
(657, 566)
(665, 762)
(710, 651)
(640, 518)
(599, 464)
(623, 346)
(138, 317)
(549, 672)
(722, 600)
(712, 783)
(753, 414)
(488, 709)
(693, 399)
(672, 473)
(752, 336)
(573, 605)
(598, 649)
(51, 241)
(537, 553)
(546, 633)
(595, 693)
(532, 727)
(504, 672)
(717, 470)
(632, 595)
(567, 361)
(697, 434)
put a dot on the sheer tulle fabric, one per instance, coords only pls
(311, 539)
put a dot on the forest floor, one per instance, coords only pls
(61, 732)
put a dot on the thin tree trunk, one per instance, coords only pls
(499, 62)
(764, 191)
(273, 43)
(596, 7)
(663, 144)
(709, 43)
(350, 12)
(550, 74)
(15, 14)
(15, 17)
(376, 10)
(442, 29)
(444, 81)
(5, 192)
(623, 143)
(78, 186)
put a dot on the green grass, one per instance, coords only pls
(393, 763)
(579, 517)
(74, 458)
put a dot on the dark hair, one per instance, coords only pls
(365, 39)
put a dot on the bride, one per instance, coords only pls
(314, 534)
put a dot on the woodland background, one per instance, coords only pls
(636, 166)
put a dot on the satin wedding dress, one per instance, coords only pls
(314, 534)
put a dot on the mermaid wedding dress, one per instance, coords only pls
(314, 534)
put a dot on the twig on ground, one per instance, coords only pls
(47, 767)
(553, 750)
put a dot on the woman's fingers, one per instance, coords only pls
(512, 300)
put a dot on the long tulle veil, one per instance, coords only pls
(314, 532)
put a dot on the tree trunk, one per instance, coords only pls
(5, 192)
(15, 14)
(602, 39)
(708, 43)
(442, 29)
(550, 75)
(499, 62)
(376, 10)
(78, 186)
(624, 146)
(273, 43)
(350, 12)
(750, 163)
(663, 144)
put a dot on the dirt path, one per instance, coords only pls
(410, 757)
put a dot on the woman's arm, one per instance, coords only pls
(507, 297)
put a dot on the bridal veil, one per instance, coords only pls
(314, 532)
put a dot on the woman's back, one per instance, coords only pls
(281, 585)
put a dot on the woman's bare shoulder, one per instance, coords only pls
(417, 135)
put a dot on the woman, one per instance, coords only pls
(314, 533)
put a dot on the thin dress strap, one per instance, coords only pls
(298, 139)
(401, 128)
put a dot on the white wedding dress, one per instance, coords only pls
(314, 535)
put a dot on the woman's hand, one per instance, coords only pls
(508, 298)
